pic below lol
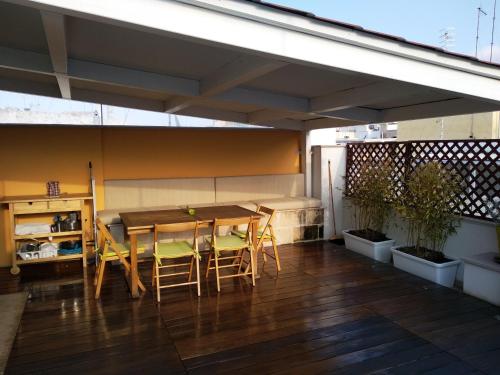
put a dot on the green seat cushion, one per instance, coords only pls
(243, 234)
(230, 242)
(123, 248)
(173, 250)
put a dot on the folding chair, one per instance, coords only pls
(265, 234)
(110, 250)
(233, 244)
(175, 250)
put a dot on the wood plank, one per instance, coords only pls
(329, 310)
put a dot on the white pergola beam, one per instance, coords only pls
(449, 107)
(231, 75)
(55, 32)
(356, 114)
(64, 85)
(17, 59)
(114, 99)
(323, 123)
(265, 99)
(265, 115)
(360, 96)
(216, 114)
(285, 124)
(132, 78)
(177, 104)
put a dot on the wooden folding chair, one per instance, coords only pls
(110, 250)
(175, 250)
(265, 234)
(234, 244)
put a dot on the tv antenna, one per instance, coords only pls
(447, 38)
(493, 29)
(479, 12)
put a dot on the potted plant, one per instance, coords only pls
(427, 208)
(371, 200)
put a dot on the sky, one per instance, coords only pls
(416, 20)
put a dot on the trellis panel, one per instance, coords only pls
(476, 161)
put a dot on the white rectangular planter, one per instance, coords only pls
(380, 251)
(440, 273)
(482, 277)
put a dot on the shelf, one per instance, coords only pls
(47, 235)
(59, 258)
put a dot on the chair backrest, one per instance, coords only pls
(233, 222)
(105, 238)
(177, 227)
(267, 228)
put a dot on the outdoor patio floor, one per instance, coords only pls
(329, 311)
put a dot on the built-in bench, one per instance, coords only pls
(298, 218)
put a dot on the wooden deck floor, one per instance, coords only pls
(329, 311)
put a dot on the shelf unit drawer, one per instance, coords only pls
(24, 207)
(64, 205)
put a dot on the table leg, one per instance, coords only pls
(134, 277)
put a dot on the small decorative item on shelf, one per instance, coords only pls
(53, 189)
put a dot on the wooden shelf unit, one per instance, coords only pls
(39, 205)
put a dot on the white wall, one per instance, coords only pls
(320, 185)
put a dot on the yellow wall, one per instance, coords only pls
(159, 153)
(32, 155)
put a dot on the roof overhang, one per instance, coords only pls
(241, 62)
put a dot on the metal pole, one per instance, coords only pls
(479, 11)
(493, 29)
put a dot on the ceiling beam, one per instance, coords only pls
(114, 99)
(323, 123)
(177, 104)
(33, 87)
(356, 114)
(450, 107)
(265, 115)
(361, 96)
(18, 59)
(231, 75)
(265, 99)
(285, 124)
(132, 78)
(241, 70)
(214, 113)
(55, 32)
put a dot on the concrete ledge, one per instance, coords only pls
(482, 277)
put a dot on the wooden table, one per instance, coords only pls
(143, 222)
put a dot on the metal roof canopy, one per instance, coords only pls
(232, 60)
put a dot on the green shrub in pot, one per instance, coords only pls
(371, 194)
(427, 208)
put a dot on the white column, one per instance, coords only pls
(305, 162)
